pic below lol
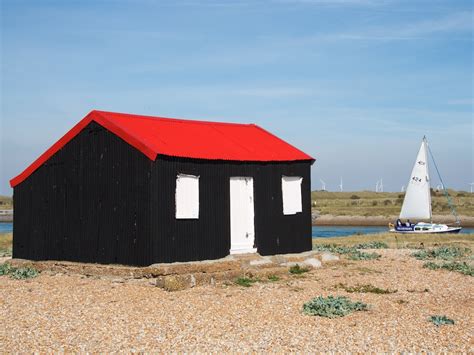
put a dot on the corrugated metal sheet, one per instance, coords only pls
(182, 138)
(100, 200)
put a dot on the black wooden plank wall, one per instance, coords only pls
(100, 200)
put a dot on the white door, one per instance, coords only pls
(242, 230)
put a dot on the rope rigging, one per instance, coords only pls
(445, 190)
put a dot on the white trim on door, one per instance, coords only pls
(242, 215)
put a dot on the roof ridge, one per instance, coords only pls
(184, 120)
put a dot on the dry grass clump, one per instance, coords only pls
(6, 240)
(364, 289)
(370, 203)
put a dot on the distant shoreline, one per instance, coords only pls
(330, 220)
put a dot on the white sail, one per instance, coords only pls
(417, 202)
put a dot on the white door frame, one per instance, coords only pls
(242, 215)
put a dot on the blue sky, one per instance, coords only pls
(355, 83)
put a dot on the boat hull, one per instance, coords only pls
(452, 230)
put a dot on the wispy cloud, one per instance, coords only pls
(337, 2)
(461, 102)
(454, 23)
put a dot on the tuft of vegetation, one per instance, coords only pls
(273, 278)
(440, 320)
(244, 281)
(372, 245)
(334, 248)
(332, 307)
(359, 255)
(5, 269)
(355, 197)
(5, 252)
(372, 203)
(298, 270)
(365, 289)
(462, 267)
(23, 273)
(444, 252)
(351, 251)
(20, 273)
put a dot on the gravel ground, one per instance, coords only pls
(71, 313)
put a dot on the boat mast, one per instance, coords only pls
(428, 177)
(445, 190)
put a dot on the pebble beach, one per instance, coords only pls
(72, 312)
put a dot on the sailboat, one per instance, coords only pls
(417, 203)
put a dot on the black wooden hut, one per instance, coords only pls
(138, 190)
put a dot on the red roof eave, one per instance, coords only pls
(92, 116)
(148, 146)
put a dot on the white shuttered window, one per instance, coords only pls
(291, 189)
(187, 197)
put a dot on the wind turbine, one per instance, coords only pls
(379, 186)
(323, 185)
(472, 183)
(340, 185)
(403, 188)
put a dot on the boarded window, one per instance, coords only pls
(187, 197)
(291, 190)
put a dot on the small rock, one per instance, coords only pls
(173, 282)
(329, 257)
(290, 264)
(278, 259)
(314, 263)
(260, 262)
(192, 281)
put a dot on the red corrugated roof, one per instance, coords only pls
(182, 138)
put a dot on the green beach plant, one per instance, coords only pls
(5, 269)
(372, 245)
(444, 252)
(273, 278)
(18, 273)
(245, 281)
(352, 251)
(332, 307)
(441, 320)
(298, 270)
(359, 255)
(461, 267)
(23, 273)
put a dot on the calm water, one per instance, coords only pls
(343, 231)
(6, 227)
(318, 231)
